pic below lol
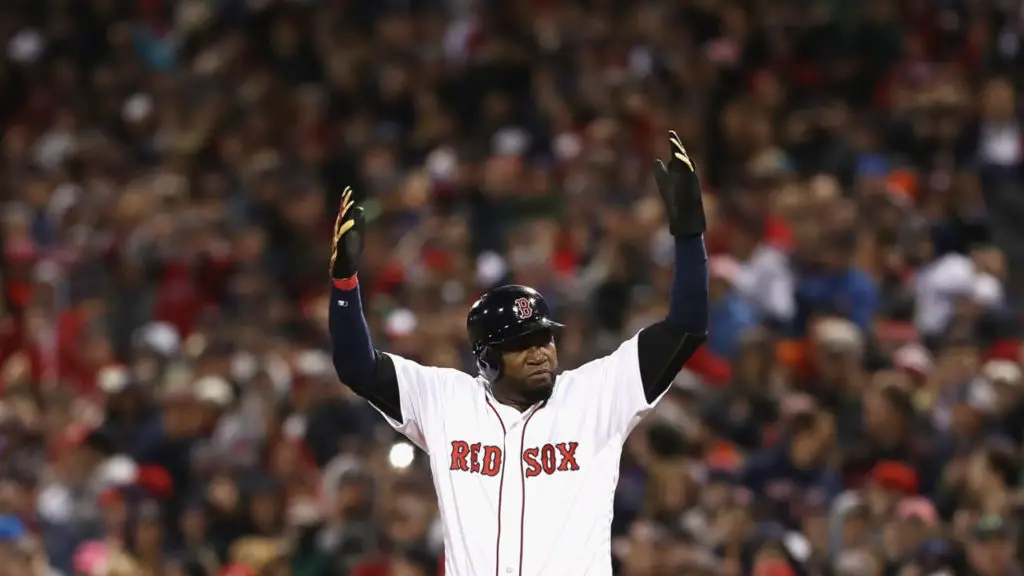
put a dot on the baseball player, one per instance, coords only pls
(525, 459)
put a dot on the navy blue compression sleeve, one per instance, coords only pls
(664, 347)
(359, 366)
(688, 303)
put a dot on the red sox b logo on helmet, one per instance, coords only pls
(522, 308)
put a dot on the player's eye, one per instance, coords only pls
(537, 339)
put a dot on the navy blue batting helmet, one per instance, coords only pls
(503, 314)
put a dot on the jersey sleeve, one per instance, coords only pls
(612, 387)
(422, 391)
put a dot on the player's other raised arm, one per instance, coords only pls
(396, 387)
(665, 346)
(362, 368)
(629, 381)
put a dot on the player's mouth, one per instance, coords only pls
(543, 373)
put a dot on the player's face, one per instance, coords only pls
(531, 360)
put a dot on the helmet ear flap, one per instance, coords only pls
(488, 362)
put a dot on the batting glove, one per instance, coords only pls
(347, 247)
(679, 187)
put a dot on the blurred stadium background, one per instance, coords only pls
(170, 172)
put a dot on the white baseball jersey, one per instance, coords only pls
(525, 493)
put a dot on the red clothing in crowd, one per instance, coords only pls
(382, 567)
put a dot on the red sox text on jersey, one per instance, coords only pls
(483, 459)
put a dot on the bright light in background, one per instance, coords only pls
(401, 455)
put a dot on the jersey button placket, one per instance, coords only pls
(511, 525)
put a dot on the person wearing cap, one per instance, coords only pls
(195, 553)
(147, 538)
(774, 551)
(782, 476)
(215, 397)
(346, 530)
(992, 548)
(757, 269)
(850, 523)
(747, 407)
(893, 432)
(887, 483)
(916, 520)
(1005, 379)
(992, 474)
(338, 417)
(636, 551)
(69, 506)
(131, 418)
(837, 350)
(264, 497)
(828, 282)
(152, 347)
(815, 523)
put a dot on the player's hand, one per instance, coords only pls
(679, 187)
(347, 246)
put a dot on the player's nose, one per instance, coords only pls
(536, 356)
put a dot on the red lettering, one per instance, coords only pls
(567, 454)
(551, 458)
(532, 465)
(487, 460)
(547, 458)
(492, 461)
(474, 457)
(460, 450)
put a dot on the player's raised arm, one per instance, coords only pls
(664, 347)
(400, 389)
(362, 368)
(625, 384)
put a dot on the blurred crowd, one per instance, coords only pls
(170, 171)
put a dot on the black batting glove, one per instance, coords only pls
(679, 187)
(347, 247)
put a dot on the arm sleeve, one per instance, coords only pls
(626, 384)
(407, 394)
(359, 366)
(665, 346)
